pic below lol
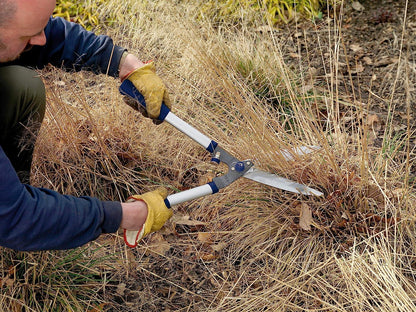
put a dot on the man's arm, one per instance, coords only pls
(128, 64)
(38, 219)
(71, 47)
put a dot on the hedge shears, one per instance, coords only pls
(236, 168)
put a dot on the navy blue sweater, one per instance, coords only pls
(38, 219)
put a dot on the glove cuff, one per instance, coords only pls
(147, 64)
(132, 238)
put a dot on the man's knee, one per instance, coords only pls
(22, 96)
(22, 107)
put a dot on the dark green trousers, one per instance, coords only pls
(22, 108)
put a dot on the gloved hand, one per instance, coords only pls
(157, 215)
(151, 87)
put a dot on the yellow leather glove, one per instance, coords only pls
(157, 215)
(151, 87)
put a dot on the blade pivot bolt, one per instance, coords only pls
(239, 166)
(216, 159)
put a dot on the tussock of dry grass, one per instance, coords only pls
(93, 144)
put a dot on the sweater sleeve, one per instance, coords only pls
(72, 47)
(39, 219)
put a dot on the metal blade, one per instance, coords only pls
(299, 151)
(279, 182)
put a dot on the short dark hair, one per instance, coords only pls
(8, 9)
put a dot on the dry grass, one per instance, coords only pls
(235, 86)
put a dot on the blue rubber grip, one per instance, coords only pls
(167, 203)
(214, 187)
(128, 88)
(211, 148)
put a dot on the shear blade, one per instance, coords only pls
(279, 182)
(298, 151)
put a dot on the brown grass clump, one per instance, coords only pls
(250, 247)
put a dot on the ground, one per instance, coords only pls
(377, 53)
(370, 47)
(376, 62)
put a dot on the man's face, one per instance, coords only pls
(25, 28)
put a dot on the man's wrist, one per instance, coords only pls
(128, 63)
(134, 215)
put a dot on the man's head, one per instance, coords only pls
(21, 26)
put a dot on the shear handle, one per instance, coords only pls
(193, 193)
(235, 170)
(127, 88)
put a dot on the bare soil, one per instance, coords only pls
(375, 69)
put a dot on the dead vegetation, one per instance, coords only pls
(256, 91)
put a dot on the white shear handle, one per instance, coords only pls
(127, 88)
(193, 193)
(190, 131)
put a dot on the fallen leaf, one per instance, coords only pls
(121, 288)
(355, 47)
(373, 121)
(385, 61)
(375, 192)
(305, 217)
(158, 244)
(219, 247)
(342, 224)
(400, 127)
(186, 220)
(205, 238)
(6, 282)
(357, 6)
(207, 256)
(367, 60)
(359, 68)
(189, 251)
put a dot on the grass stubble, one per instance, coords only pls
(233, 83)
